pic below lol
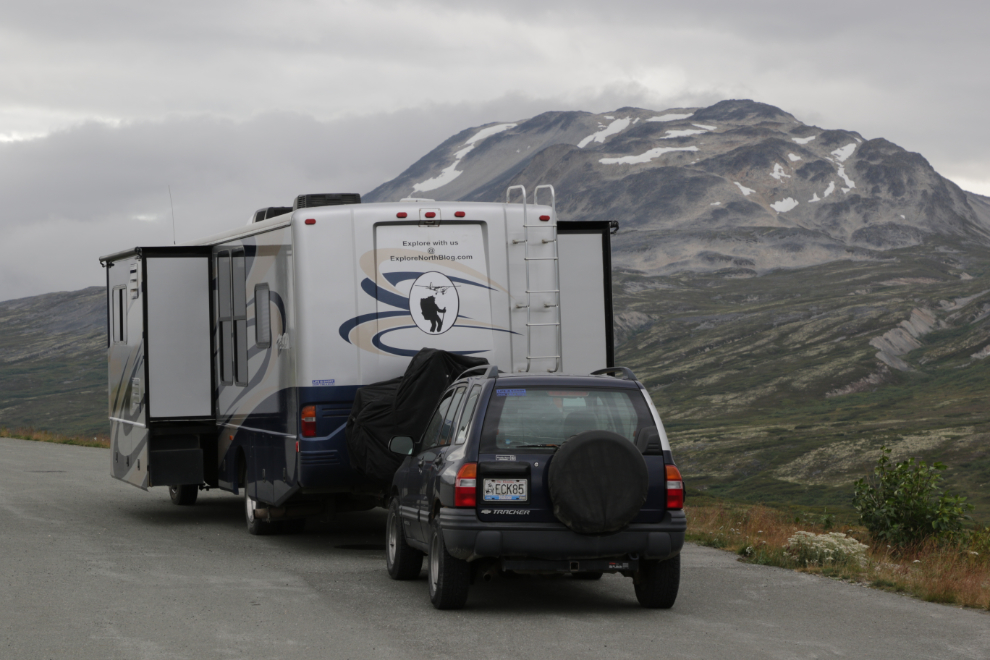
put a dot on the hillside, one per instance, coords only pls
(53, 362)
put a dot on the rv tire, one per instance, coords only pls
(183, 495)
(255, 525)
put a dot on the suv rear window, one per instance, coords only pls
(544, 417)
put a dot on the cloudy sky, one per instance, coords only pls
(105, 105)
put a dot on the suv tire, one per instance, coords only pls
(657, 582)
(403, 562)
(449, 577)
(598, 482)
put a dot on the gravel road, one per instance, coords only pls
(94, 568)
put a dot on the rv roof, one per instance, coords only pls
(286, 219)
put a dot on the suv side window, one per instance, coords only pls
(466, 415)
(432, 432)
(449, 420)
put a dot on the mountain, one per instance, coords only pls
(739, 186)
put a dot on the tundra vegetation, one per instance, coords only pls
(910, 536)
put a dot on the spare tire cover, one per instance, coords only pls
(598, 482)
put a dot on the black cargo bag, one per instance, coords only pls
(401, 406)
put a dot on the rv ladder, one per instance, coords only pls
(530, 240)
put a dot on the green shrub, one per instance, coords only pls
(902, 504)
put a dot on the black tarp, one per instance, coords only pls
(401, 406)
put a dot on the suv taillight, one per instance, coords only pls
(675, 488)
(308, 419)
(466, 485)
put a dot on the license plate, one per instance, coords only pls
(506, 490)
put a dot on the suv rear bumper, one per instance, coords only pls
(467, 538)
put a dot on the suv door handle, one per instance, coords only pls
(420, 464)
(438, 461)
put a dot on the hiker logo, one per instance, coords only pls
(434, 303)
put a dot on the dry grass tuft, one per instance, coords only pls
(953, 573)
(102, 441)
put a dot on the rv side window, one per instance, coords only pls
(119, 316)
(225, 317)
(240, 319)
(262, 316)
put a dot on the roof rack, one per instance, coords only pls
(490, 371)
(627, 373)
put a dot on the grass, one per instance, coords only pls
(955, 573)
(102, 441)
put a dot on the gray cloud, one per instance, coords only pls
(238, 105)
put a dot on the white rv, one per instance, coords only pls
(234, 360)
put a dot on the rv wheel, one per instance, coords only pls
(256, 525)
(184, 495)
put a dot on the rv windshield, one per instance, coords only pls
(540, 419)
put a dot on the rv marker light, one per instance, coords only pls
(431, 214)
(459, 214)
(401, 214)
(310, 221)
(545, 218)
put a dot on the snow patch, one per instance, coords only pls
(849, 182)
(794, 157)
(814, 199)
(715, 203)
(804, 140)
(784, 205)
(707, 128)
(778, 172)
(612, 129)
(744, 190)
(450, 173)
(644, 157)
(829, 190)
(682, 133)
(842, 153)
(670, 117)
(902, 217)
(609, 117)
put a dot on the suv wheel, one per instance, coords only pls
(449, 576)
(402, 561)
(657, 582)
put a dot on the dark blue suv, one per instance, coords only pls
(538, 474)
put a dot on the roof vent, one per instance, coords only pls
(271, 212)
(326, 199)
